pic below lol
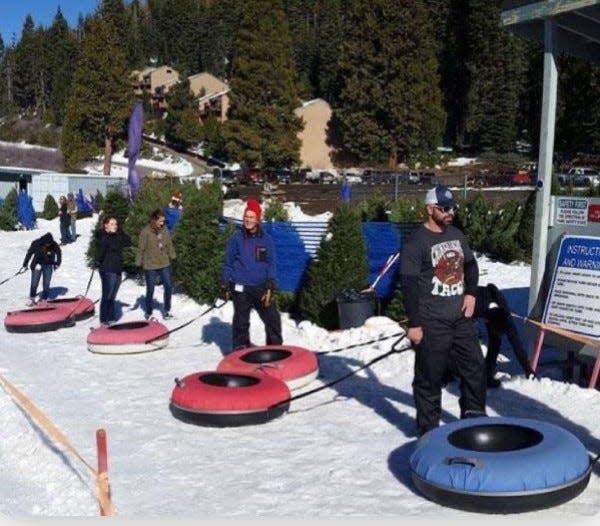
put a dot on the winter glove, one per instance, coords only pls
(55, 266)
(225, 290)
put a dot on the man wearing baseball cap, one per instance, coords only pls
(439, 277)
(248, 277)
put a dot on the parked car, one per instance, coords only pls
(251, 176)
(226, 176)
(278, 176)
(578, 176)
(327, 177)
(587, 177)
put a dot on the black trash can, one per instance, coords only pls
(354, 307)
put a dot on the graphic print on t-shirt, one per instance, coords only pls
(447, 259)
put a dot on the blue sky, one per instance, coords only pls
(13, 13)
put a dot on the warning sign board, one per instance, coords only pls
(572, 211)
(574, 299)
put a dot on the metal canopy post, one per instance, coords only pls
(542, 202)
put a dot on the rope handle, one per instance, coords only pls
(393, 350)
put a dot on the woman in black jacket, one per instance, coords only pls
(45, 256)
(109, 260)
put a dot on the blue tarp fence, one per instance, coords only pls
(296, 244)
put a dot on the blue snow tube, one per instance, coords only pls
(500, 465)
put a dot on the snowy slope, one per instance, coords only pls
(341, 452)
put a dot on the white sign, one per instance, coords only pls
(574, 299)
(572, 211)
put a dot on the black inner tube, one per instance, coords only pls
(228, 380)
(128, 326)
(266, 356)
(495, 437)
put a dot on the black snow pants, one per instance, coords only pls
(243, 303)
(454, 345)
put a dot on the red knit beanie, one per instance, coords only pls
(176, 196)
(254, 206)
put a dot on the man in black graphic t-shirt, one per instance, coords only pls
(439, 277)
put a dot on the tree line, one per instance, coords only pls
(402, 77)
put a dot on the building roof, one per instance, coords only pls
(577, 23)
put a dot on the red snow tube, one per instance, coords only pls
(294, 365)
(38, 319)
(210, 398)
(128, 338)
(80, 307)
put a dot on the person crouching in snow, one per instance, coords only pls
(249, 276)
(45, 256)
(155, 254)
(173, 211)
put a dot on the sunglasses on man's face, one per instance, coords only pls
(446, 209)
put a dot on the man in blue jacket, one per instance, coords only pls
(248, 277)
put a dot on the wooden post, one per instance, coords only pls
(103, 486)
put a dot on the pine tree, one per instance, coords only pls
(199, 243)
(496, 64)
(50, 208)
(101, 97)
(302, 21)
(62, 58)
(475, 221)
(330, 34)
(390, 103)
(340, 263)
(222, 23)
(262, 127)
(524, 235)
(182, 125)
(8, 211)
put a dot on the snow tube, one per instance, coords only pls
(210, 398)
(131, 337)
(500, 465)
(79, 307)
(294, 365)
(38, 319)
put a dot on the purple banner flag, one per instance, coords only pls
(134, 137)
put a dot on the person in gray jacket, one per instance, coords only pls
(155, 254)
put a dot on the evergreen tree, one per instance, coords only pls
(302, 20)
(501, 241)
(329, 36)
(101, 97)
(579, 115)
(390, 103)
(222, 24)
(200, 244)
(524, 235)
(496, 64)
(182, 125)
(340, 263)
(50, 208)
(262, 127)
(8, 211)
(62, 51)
(474, 220)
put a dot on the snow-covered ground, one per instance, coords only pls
(341, 452)
(166, 163)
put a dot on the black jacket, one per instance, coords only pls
(63, 212)
(109, 251)
(44, 251)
